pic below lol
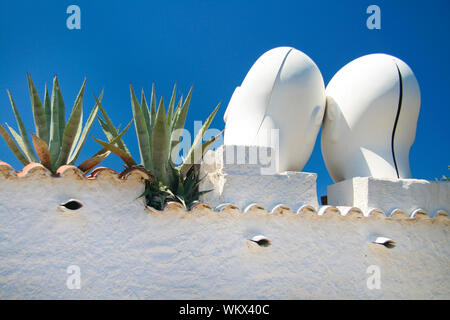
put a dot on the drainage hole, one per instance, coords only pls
(72, 204)
(262, 241)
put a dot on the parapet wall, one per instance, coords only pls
(127, 251)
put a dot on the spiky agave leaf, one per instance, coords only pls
(141, 132)
(178, 122)
(176, 134)
(198, 150)
(126, 157)
(77, 134)
(90, 163)
(153, 106)
(22, 139)
(71, 128)
(171, 105)
(111, 146)
(105, 128)
(62, 109)
(114, 140)
(48, 112)
(176, 113)
(187, 188)
(181, 118)
(189, 185)
(208, 143)
(40, 120)
(108, 127)
(42, 151)
(160, 145)
(13, 146)
(56, 105)
(146, 114)
(79, 142)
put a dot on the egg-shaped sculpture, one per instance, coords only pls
(371, 117)
(284, 93)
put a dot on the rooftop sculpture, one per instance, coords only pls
(284, 90)
(370, 124)
(372, 108)
(371, 116)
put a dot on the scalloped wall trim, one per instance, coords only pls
(322, 211)
(37, 170)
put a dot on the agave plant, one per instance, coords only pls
(159, 134)
(56, 142)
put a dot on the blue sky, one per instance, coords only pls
(212, 45)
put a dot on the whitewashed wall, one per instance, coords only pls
(388, 195)
(232, 176)
(126, 251)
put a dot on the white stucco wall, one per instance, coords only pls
(129, 252)
(388, 195)
(243, 175)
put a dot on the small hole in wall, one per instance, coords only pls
(386, 242)
(71, 205)
(262, 241)
(389, 244)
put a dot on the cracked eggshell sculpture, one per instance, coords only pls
(370, 124)
(283, 90)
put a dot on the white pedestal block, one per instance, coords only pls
(242, 176)
(390, 194)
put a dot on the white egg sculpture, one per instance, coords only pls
(283, 90)
(370, 123)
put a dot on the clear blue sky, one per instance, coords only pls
(212, 45)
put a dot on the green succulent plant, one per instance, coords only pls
(55, 142)
(159, 134)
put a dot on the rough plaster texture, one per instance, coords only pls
(244, 175)
(126, 251)
(391, 194)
